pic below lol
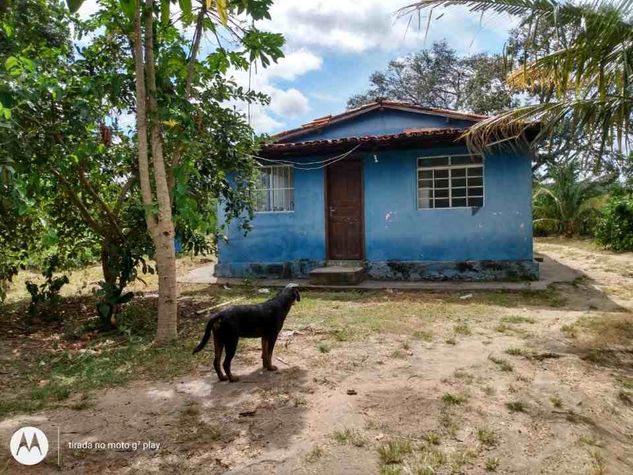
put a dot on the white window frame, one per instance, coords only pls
(271, 189)
(451, 167)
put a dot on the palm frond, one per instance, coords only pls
(601, 120)
(591, 78)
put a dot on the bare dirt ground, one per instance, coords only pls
(388, 382)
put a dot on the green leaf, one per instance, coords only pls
(12, 63)
(164, 11)
(27, 63)
(223, 12)
(8, 30)
(103, 309)
(74, 5)
(128, 7)
(187, 12)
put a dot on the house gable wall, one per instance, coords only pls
(380, 122)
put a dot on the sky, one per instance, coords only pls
(332, 47)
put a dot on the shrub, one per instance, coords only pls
(615, 226)
(565, 202)
(45, 297)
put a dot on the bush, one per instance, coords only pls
(615, 226)
(565, 202)
(45, 297)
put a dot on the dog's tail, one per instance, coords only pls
(207, 333)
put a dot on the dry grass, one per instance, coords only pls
(487, 437)
(350, 437)
(453, 399)
(606, 329)
(516, 406)
(84, 281)
(502, 364)
(394, 451)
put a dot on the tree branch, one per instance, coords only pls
(124, 191)
(195, 47)
(83, 209)
(102, 204)
(197, 36)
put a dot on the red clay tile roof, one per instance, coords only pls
(407, 138)
(381, 104)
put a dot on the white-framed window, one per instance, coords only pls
(451, 181)
(275, 189)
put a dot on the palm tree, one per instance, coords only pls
(591, 76)
(565, 202)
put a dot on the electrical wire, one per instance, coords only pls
(320, 163)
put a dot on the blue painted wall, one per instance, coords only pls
(380, 123)
(394, 228)
(284, 236)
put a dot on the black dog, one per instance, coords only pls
(248, 321)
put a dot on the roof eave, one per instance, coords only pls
(363, 144)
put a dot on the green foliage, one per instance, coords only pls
(72, 165)
(588, 77)
(453, 399)
(68, 161)
(615, 225)
(16, 233)
(45, 297)
(565, 202)
(437, 77)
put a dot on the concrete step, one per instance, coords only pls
(337, 275)
(344, 263)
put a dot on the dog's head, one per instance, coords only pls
(293, 291)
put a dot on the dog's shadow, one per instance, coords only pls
(272, 403)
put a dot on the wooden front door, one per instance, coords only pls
(344, 209)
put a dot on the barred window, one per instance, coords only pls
(455, 181)
(275, 189)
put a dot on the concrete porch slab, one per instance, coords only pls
(551, 271)
(337, 275)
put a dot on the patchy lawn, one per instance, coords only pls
(369, 382)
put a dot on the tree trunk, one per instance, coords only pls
(160, 224)
(106, 308)
(167, 326)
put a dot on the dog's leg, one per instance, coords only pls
(271, 346)
(265, 351)
(217, 357)
(231, 346)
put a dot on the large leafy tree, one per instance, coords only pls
(588, 75)
(170, 81)
(137, 192)
(71, 172)
(438, 77)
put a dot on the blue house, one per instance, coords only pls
(391, 191)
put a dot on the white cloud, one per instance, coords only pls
(285, 103)
(290, 103)
(261, 121)
(88, 8)
(357, 26)
(294, 64)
